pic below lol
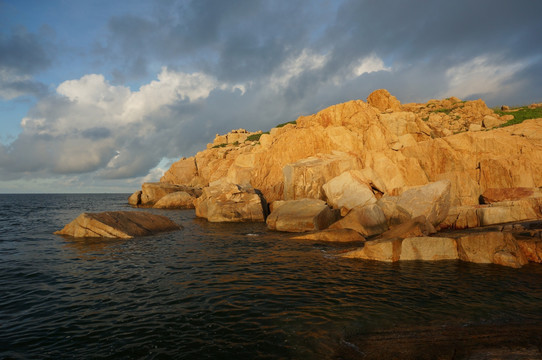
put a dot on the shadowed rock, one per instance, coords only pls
(117, 224)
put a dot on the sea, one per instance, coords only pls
(221, 290)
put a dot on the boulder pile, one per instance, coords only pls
(364, 170)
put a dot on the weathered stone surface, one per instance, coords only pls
(231, 203)
(491, 248)
(416, 227)
(383, 100)
(183, 172)
(176, 200)
(347, 191)
(117, 224)
(379, 250)
(394, 213)
(531, 248)
(509, 211)
(368, 220)
(428, 248)
(461, 217)
(333, 235)
(306, 177)
(301, 215)
(492, 121)
(431, 200)
(154, 191)
(493, 195)
(135, 198)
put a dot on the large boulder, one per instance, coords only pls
(301, 215)
(135, 198)
(367, 220)
(383, 100)
(509, 211)
(117, 224)
(176, 200)
(332, 235)
(231, 203)
(348, 190)
(431, 200)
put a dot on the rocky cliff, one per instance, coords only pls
(394, 146)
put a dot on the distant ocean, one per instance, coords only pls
(220, 291)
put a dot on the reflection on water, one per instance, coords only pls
(220, 290)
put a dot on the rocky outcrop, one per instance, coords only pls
(135, 198)
(152, 192)
(176, 200)
(231, 203)
(348, 190)
(301, 215)
(493, 195)
(117, 224)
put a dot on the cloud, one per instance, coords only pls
(22, 54)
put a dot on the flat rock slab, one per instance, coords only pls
(117, 224)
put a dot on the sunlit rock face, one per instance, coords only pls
(117, 224)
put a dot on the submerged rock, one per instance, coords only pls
(117, 224)
(332, 235)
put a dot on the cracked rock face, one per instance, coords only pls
(117, 224)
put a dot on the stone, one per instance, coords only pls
(181, 172)
(461, 217)
(416, 227)
(531, 248)
(231, 203)
(505, 107)
(394, 213)
(154, 191)
(368, 220)
(428, 249)
(491, 121)
(332, 235)
(431, 200)
(475, 127)
(379, 250)
(491, 248)
(509, 211)
(117, 224)
(348, 191)
(493, 195)
(135, 198)
(383, 100)
(176, 200)
(301, 215)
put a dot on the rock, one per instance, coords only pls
(332, 235)
(475, 127)
(461, 217)
(348, 191)
(505, 107)
(379, 250)
(306, 177)
(368, 220)
(135, 198)
(231, 203)
(429, 249)
(491, 248)
(493, 195)
(383, 100)
(394, 214)
(176, 200)
(509, 211)
(531, 248)
(117, 224)
(183, 171)
(416, 227)
(431, 200)
(491, 122)
(301, 215)
(154, 191)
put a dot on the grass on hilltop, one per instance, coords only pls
(520, 114)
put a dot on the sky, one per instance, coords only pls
(101, 95)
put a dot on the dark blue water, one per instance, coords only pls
(220, 291)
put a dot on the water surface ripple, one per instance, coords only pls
(220, 290)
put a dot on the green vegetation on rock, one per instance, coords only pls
(520, 114)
